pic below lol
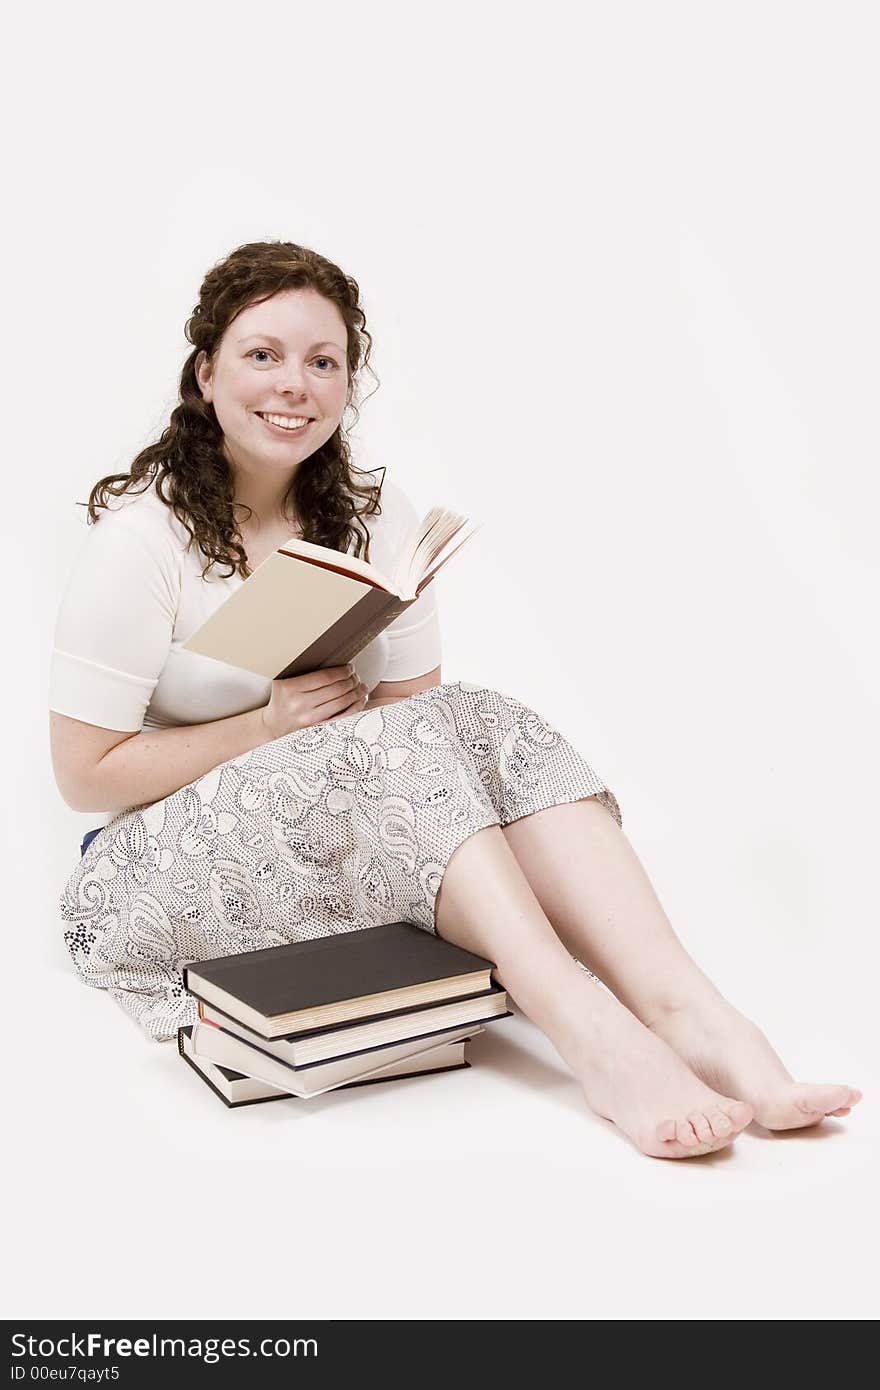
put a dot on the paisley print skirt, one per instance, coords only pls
(338, 827)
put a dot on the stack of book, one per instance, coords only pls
(343, 1010)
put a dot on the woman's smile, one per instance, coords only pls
(294, 427)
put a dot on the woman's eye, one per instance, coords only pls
(264, 352)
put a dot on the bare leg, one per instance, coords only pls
(629, 1075)
(593, 889)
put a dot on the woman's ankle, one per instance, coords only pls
(696, 996)
(601, 1026)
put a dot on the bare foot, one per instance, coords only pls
(633, 1078)
(725, 1049)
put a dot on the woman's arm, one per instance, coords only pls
(99, 769)
(107, 770)
(386, 692)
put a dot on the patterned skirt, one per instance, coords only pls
(341, 826)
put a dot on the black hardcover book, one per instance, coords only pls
(307, 985)
(354, 1039)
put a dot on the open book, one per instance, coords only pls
(307, 606)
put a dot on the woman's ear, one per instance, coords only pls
(203, 376)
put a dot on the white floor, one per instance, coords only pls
(491, 1192)
(486, 1193)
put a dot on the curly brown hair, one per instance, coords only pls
(187, 464)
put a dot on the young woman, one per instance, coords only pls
(244, 813)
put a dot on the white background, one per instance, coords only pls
(620, 265)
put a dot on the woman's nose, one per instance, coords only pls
(292, 379)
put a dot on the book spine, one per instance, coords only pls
(354, 631)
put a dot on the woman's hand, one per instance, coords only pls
(313, 698)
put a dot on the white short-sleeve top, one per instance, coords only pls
(136, 594)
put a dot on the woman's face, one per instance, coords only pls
(283, 358)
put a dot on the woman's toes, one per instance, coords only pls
(741, 1114)
(800, 1105)
(822, 1100)
(721, 1123)
(702, 1131)
(701, 1126)
(685, 1134)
